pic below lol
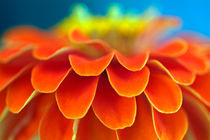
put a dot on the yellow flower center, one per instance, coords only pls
(120, 31)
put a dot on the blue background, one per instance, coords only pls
(45, 13)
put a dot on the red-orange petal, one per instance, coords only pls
(78, 37)
(113, 111)
(19, 93)
(2, 104)
(75, 95)
(48, 51)
(90, 67)
(12, 51)
(9, 72)
(40, 105)
(173, 48)
(179, 73)
(163, 93)
(90, 128)
(198, 117)
(48, 75)
(127, 83)
(143, 128)
(201, 88)
(194, 61)
(54, 126)
(24, 125)
(12, 123)
(170, 126)
(24, 34)
(133, 63)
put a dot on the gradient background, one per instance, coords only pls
(45, 13)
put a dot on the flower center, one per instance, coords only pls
(126, 33)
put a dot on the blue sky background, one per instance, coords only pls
(45, 13)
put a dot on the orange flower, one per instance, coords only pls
(88, 86)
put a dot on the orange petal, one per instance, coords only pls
(76, 94)
(10, 71)
(24, 34)
(143, 128)
(46, 52)
(201, 88)
(54, 126)
(19, 93)
(158, 89)
(24, 125)
(77, 36)
(3, 108)
(127, 83)
(198, 117)
(207, 52)
(170, 126)
(46, 45)
(194, 61)
(40, 105)
(113, 111)
(175, 47)
(48, 75)
(90, 67)
(12, 51)
(90, 128)
(175, 70)
(133, 63)
(12, 122)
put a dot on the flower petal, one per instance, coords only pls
(10, 71)
(41, 104)
(163, 93)
(78, 37)
(90, 67)
(200, 88)
(127, 83)
(54, 126)
(133, 63)
(143, 128)
(24, 34)
(198, 118)
(173, 48)
(46, 52)
(19, 93)
(113, 111)
(12, 123)
(3, 108)
(170, 126)
(56, 68)
(24, 125)
(90, 128)
(8, 74)
(45, 45)
(75, 95)
(175, 70)
(10, 52)
(194, 61)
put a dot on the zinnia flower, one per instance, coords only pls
(114, 77)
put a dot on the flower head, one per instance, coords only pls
(105, 77)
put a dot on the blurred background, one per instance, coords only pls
(195, 14)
